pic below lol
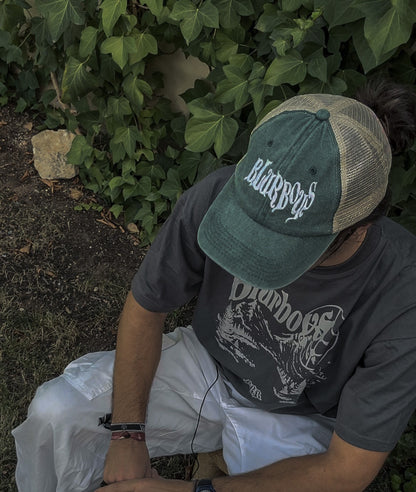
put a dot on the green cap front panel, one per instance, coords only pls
(291, 185)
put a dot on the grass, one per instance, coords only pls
(64, 280)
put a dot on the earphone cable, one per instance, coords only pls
(194, 454)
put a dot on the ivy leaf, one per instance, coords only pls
(364, 52)
(144, 186)
(3, 89)
(335, 85)
(116, 182)
(188, 165)
(392, 29)
(403, 70)
(12, 16)
(145, 44)
(172, 187)
(146, 217)
(77, 81)
(119, 47)
(112, 10)
(155, 6)
(79, 151)
(160, 206)
(401, 182)
(129, 191)
(128, 167)
(145, 209)
(154, 171)
(231, 10)
(218, 129)
(14, 54)
(318, 66)
(339, 13)
(288, 69)
(353, 79)
(39, 29)
(270, 18)
(133, 88)
(242, 61)
(282, 45)
(298, 35)
(128, 137)
(207, 165)
(88, 41)
(118, 107)
(258, 91)
(234, 88)
(118, 152)
(60, 14)
(193, 19)
(202, 108)
(291, 5)
(116, 210)
(225, 47)
(258, 70)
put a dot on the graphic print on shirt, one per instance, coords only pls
(259, 324)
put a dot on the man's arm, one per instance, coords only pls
(342, 468)
(138, 351)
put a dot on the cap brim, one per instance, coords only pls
(260, 257)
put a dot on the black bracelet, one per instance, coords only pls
(105, 421)
(126, 426)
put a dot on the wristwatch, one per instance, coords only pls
(204, 485)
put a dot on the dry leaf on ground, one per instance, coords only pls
(132, 228)
(26, 249)
(75, 193)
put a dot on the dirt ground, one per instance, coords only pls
(64, 275)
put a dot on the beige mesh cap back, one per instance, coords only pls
(365, 154)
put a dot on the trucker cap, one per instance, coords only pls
(315, 165)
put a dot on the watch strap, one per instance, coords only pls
(203, 485)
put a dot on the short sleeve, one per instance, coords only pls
(378, 400)
(172, 270)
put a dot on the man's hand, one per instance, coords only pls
(154, 484)
(126, 459)
(139, 342)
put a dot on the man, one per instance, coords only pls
(300, 363)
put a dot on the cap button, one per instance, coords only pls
(322, 114)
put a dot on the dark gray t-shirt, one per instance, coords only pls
(339, 341)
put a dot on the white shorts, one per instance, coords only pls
(60, 446)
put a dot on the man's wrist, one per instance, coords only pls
(203, 485)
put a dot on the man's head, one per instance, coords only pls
(315, 166)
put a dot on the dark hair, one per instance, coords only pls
(395, 106)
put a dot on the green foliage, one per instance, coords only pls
(130, 147)
(402, 461)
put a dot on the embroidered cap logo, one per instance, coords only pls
(280, 191)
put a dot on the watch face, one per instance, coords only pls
(204, 486)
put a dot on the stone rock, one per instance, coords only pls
(49, 154)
